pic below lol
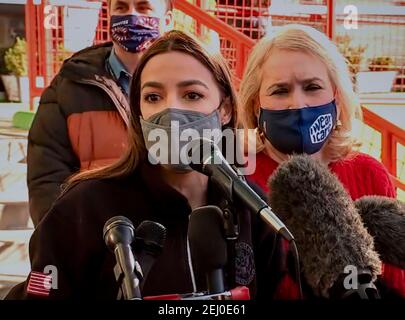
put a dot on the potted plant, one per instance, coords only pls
(16, 83)
(381, 63)
(354, 54)
(380, 77)
(62, 54)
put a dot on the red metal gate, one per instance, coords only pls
(46, 40)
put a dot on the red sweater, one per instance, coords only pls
(361, 175)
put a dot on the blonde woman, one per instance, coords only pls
(297, 93)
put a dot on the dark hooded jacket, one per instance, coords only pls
(80, 124)
(70, 238)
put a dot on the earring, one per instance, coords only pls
(338, 125)
(260, 133)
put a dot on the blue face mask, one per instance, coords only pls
(134, 33)
(300, 131)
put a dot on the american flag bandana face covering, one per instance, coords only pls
(134, 33)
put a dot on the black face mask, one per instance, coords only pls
(300, 131)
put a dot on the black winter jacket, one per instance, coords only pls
(70, 238)
(68, 133)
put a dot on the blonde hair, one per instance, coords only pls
(300, 38)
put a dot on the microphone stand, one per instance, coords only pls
(128, 288)
(231, 233)
(119, 276)
(227, 187)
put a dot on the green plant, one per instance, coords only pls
(381, 63)
(62, 53)
(15, 58)
(354, 54)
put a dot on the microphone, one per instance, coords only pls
(118, 233)
(328, 230)
(205, 157)
(384, 219)
(150, 239)
(208, 245)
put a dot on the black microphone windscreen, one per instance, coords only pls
(151, 234)
(206, 236)
(150, 239)
(329, 232)
(385, 220)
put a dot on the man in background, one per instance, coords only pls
(83, 115)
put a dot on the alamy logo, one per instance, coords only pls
(352, 18)
(351, 281)
(50, 17)
(321, 128)
(173, 147)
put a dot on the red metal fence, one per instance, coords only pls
(249, 18)
(378, 40)
(34, 17)
(46, 39)
(391, 137)
(376, 44)
(102, 32)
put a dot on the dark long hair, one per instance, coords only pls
(136, 152)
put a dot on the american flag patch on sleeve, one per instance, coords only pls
(39, 284)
